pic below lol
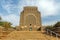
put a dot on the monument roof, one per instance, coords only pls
(30, 7)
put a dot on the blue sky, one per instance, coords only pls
(11, 9)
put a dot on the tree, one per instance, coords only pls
(49, 27)
(0, 18)
(57, 24)
(1, 23)
(7, 24)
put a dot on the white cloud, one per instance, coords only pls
(6, 5)
(47, 8)
(14, 19)
(49, 23)
(10, 8)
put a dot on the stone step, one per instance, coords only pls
(28, 35)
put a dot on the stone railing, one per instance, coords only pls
(51, 33)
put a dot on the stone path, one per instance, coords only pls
(28, 35)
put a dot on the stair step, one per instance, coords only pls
(28, 35)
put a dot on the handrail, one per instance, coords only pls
(53, 33)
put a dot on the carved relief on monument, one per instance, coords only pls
(30, 19)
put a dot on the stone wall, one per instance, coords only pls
(30, 17)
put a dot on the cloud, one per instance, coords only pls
(14, 19)
(46, 7)
(12, 11)
(9, 6)
(49, 23)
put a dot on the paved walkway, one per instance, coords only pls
(28, 35)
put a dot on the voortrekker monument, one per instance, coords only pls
(30, 19)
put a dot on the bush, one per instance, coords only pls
(57, 24)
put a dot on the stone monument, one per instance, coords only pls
(30, 19)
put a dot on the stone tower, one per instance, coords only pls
(30, 19)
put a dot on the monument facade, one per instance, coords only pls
(30, 19)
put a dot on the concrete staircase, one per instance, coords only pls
(28, 35)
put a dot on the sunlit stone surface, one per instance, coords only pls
(30, 17)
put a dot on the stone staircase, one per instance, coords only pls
(28, 35)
